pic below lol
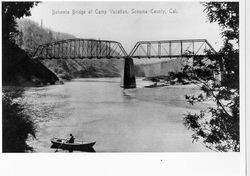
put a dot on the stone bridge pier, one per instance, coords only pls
(128, 74)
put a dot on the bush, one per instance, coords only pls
(16, 125)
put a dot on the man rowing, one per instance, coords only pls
(71, 139)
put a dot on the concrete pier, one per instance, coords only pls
(128, 74)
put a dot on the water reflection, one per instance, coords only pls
(70, 150)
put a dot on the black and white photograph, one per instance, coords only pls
(123, 77)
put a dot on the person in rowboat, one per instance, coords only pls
(71, 139)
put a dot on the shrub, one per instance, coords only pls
(16, 125)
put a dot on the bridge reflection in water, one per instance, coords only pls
(104, 49)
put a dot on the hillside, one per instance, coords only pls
(19, 69)
(160, 68)
(32, 35)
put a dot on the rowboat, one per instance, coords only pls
(77, 145)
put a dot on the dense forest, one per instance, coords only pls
(31, 35)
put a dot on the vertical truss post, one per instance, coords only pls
(64, 50)
(88, 49)
(54, 51)
(109, 49)
(84, 48)
(47, 51)
(71, 49)
(65, 47)
(79, 49)
(193, 47)
(70, 52)
(148, 50)
(106, 49)
(181, 48)
(75, 48)
(68, 49)
(61, 52)
(159, 49)
(100, 49)
(80, 53)
(97, 48)
(57, 51)
(170, 46)
(51, 51)
(91, 48)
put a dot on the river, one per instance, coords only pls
(134, 120)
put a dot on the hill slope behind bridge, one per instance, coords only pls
(32, 35)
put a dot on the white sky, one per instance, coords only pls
(189, 22)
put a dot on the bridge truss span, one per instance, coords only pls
(171, 48)
(104, 49)
(80, 49)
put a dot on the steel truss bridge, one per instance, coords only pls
(104, 49)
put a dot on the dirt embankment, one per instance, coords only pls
(20, 70)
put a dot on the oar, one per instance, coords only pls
(60, 146)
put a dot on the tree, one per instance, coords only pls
(218, 126)
(16, 125)
(10, 12)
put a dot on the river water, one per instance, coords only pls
(135, 120)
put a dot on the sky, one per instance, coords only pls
(175, 20)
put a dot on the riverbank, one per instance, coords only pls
(170, 79)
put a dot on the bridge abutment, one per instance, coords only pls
(128, 74)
